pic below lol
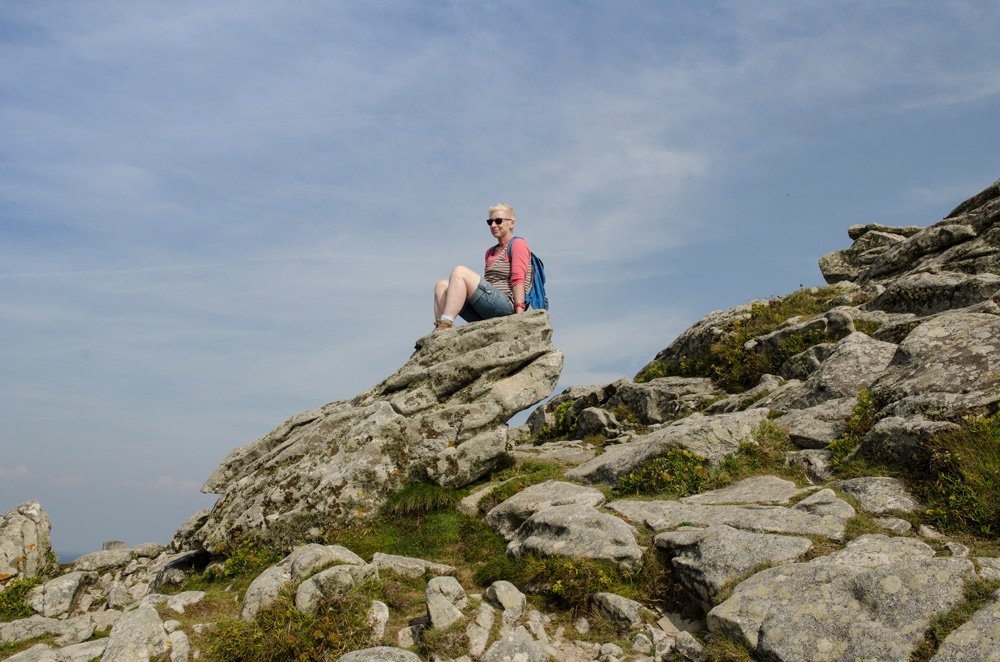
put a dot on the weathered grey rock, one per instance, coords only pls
(479, 632)
(180, 646)
(104, 620)
(518, 645)
(139, 591)
(666, 398)
(712, 437)
(697, 340)
(171, 625)
(856, 363)
(642, 644)
(445, 600)
(185, 599)
(264, 590)
(380, 654)
(620, 611)
(756, 489)
(509, 515)
(926, 531)
(410, 567)
(577, 531)
(84, 652)
(815, 462)
(690, 648)
(879, 495)
(314, 557)
(37, 653)
(766, 385)
(582, 397)
(113, 544)
(815, 427)
(171, 568)
(62, 595)
(409, 636)
(103, 560)
(977, 639)
(953, 353)
(902, 256)
(821, 514)
(872, 600)
(706, 561)
(927, 293)
(903, 439)
(857, 231)
(331, 582)
(185, 538)
(147, 550)
(66, 632)
(378, 617)
(989, 568)
(804, 364)
(957, 549)
(849, 264)
(894, 524)
(596, 421)
(137, 635)
(442, 415)
(505, 595)
(25, 542)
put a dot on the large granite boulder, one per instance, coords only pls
(25, 542)
(948, 367)
(667, 398)
(441, 417)
(873, 600)
(509, 515)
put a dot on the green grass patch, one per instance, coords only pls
(861, 420)
(248, 558)
(679, 473)
(977, 593)
(12, 604)
(627, 419)
(721, 648)
(962, 483)
(737, 369)
(867, 327)
(419, 499)
(281, 632)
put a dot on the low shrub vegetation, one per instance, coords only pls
(562, 426)
(961, 485)
(737, 369)
(680, 473)
(861, 420)
(12, 604)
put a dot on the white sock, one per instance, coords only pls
(450, 319)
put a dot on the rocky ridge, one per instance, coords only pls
(910, 328)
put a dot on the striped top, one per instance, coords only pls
(497, 274)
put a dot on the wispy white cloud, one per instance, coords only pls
(15, 472)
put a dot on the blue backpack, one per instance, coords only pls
(535, 297)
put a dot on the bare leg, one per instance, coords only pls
(450, 295)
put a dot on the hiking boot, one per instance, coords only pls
(441, 325)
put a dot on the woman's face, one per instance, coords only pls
(501, 229)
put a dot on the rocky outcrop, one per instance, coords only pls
(25, 542)
(872, 600)
(441, 417)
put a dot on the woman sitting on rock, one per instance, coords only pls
(500, 291)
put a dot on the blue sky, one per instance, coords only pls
(214, 215)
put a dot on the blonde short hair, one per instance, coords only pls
(504, 208)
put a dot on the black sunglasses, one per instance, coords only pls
(498, 221)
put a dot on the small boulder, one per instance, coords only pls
(25, 542)
(62, 595)
(332, 581)
(137, 635)
(516, 644)
(380, 654)
(509, 515)
(879, 495)
(410, 567)
(505, 595)
(445, 599)
(620, 611)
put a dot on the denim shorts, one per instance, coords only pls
(486, 302)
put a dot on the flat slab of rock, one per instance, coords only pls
(567, 453)
(756, 489)
(380, 654)
(509, 515)
(442, 415)
(816, 427)
(577, 532)
(712, 437)
(705, 561)
(846, 606)
(880, 495)
(67, 632)
(821, 514)
(977, 639)
(410, 567)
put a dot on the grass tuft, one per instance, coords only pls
(12, 604)
(418, 499)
